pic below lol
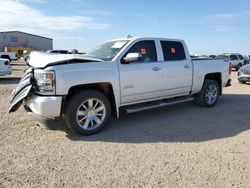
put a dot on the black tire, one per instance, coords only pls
(242, 82)
(77, 104)
(202, 99)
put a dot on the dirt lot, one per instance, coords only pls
(178, 146)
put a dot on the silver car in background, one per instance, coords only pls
(244, 74)
(5, 68)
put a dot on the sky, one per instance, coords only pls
(207, 26)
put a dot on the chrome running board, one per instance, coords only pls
(158, 104)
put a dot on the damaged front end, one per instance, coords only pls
(22, 90)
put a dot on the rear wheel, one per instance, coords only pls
(209, 94)
(87, 112)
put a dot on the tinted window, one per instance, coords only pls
(146, 48)
(233, 57)
(241, 57)
(173, 51)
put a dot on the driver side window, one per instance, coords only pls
(147, 50)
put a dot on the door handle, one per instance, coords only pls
(156, 68)
(187, 66)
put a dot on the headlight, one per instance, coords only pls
(45, 82)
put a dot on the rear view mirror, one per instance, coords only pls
(131, 57)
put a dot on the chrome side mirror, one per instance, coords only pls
(132, 57)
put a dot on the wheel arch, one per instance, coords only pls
(105, 88)
(217, 76)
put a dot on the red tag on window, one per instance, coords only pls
(143, 51)
(173, 51)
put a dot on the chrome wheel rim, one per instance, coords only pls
(91, 114)
(211, 94)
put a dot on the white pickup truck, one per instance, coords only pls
(130, 74)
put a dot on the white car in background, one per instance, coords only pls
(5, 68)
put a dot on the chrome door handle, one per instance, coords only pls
(187, 66)
(156, 68)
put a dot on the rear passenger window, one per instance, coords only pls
(241, 57)
(146, 48)
(173, 51)
(233, 57)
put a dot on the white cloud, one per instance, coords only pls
(227, 16)
(69, 38)
(19, 16)
(226, 21)
(35, 1)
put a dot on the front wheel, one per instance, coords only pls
(87, 112)
(209, 94)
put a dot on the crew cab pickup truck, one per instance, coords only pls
(129, 74)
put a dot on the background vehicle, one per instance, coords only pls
(5, 68)
(244, 74)
(58, 51)
(246, 59)
(130, 74)
(236, 59)
(212, 56)
(8, 55)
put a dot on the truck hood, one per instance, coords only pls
(43, 59)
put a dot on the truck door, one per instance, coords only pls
(177, 69)
(141, 80)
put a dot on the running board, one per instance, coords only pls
(158, 104)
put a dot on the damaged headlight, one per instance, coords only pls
(44, 82)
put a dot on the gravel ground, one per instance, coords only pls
(179, 146)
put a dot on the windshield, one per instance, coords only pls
(108, 50)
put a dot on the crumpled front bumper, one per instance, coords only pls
(45, 106)
(22, 90)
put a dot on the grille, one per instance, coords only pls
(25, 81)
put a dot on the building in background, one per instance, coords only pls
(17, 41)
